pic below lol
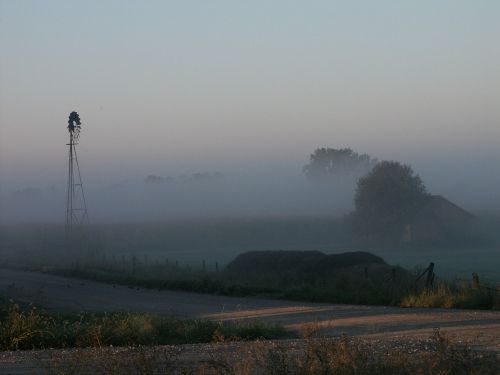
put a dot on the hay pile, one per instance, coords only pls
(280, 266)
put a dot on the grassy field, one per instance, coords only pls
(186, 255)
(382, 288)
(192, 242)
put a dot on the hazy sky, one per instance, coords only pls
(173, 87)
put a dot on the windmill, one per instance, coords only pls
(76, 207)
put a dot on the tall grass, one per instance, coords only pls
(30, 328)
(454, 295)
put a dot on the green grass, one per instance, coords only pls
(27, 327)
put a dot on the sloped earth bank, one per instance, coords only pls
(389, 326)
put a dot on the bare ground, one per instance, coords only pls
(390, 325)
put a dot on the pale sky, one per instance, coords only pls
(172, 87)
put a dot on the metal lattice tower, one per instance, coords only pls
(76, 208)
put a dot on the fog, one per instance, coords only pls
(184, 197)
(274, 190)
(246, 90)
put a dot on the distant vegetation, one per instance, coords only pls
(392, 205)
(153, 179)
(366, 280)
(336, 165)
(387, 198)
(27, 327)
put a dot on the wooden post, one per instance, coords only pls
(134, 264)
(216, 266)
(475, 281)
(430, 275)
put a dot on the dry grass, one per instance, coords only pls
(454, 295)
(315, 355)
(30, 328)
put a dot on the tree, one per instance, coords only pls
(330, 164)
(387, 198)
(154, 179)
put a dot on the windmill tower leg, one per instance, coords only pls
(76, 205)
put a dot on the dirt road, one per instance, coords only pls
(479, 328)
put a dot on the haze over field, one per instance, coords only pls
(248, 90)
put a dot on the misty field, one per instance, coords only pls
(213, 243)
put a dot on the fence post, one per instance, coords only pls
(430, 275)
(134, 264)
(475, 280)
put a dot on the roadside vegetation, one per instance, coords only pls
(311, 355)
(455, 295)
(27, 327)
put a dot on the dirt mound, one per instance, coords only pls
(296, 266)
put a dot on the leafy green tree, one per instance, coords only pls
(326, 164)
(386, 199)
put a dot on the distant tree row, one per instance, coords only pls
(330, 164)
(195, 177)
(387, 193)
